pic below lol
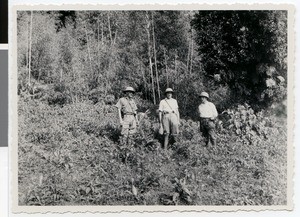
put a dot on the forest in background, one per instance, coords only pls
(237, 56)
(72, 68)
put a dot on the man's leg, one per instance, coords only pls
(206, 140)
(123, 140)
(213, 137)
(205, 135)
(166, 126)
(124, 132)
(166, 140)
(131, 131)
(175, 137)
(174, 127)
(212, 133)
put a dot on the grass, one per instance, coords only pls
(71, 156)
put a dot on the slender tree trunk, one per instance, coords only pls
(102, 33)
(114, 41)
(98, 30)
(175, 63)
(188, 58)
(144, 80)
(39, 76)
(88, 48)
(98, 44)
(192, 48)
(98, 53)
(109, 28)
(175, 69)
(155, 60)
(167, 73)
(150, 60)
(27, 45)
(30, 43)
(112, 51)
(61, 76)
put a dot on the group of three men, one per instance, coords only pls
(169, 117)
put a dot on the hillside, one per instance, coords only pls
(72, 68)
(70, 156)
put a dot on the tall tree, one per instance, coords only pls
(244, 49)
(29, 52)
(155, 59)
(150, 54)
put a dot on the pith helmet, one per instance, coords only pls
(129, 89)
(169, 90)
(204, 94)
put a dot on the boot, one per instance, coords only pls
(213, 138)
(214, 142)
(175, 140)
(206, 142)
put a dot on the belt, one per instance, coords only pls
(129, 113)
(204, 118)
(166, 112)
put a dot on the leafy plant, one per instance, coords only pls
(245, 123)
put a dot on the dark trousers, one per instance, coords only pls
(208, 129)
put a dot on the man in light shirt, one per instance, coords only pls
(208, 114)
(169, 117)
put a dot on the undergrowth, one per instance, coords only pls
(70, 155)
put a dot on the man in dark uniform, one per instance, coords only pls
(127, 111)
(208, 114)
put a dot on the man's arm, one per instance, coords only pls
(159, 116)
(215, 112)
(160, 110)
(120, 116)
(136, 118)
(119, 107)
(199, 113)
(135, 108)
(178, 115)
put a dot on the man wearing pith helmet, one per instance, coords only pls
(169, 117)
(208, 114)
(127, 111)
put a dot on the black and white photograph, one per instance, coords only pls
(153, 108)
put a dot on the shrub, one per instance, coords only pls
(244, 122)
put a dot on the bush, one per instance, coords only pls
(71, 155)
(245, 123)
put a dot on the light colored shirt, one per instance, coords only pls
(207, 110)
(126, 105)
(168, 105)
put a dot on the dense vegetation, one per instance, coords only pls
(72, 66)
(246, 51)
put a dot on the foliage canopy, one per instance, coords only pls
(247, 50)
